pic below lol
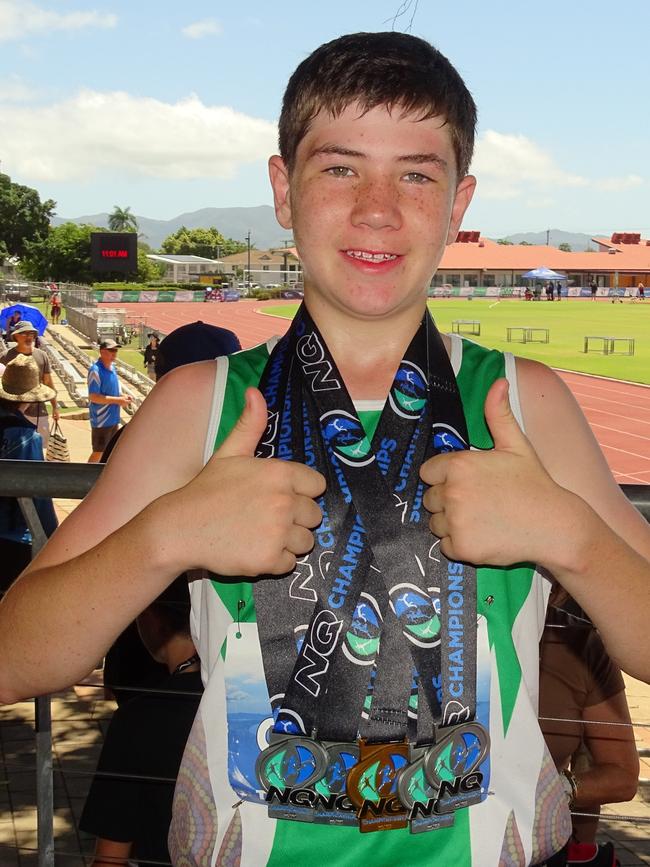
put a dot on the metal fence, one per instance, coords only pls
(25, 480)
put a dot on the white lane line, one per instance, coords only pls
(604, 446)
(640, 422)
(616, 430)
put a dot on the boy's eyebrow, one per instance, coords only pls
(419, 159)
(336, 150)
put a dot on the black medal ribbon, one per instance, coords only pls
(375, 578)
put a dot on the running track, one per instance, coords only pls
(619, 412)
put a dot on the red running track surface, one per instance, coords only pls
(618, 412)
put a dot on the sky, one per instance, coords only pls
(169, 107)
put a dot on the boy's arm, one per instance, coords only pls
(154, 513)
(549, 498)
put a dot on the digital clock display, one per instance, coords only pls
(114, 251)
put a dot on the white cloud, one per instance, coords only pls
(512, 161)
(616, 185)
(19, 19)
(199, 29)
(93, 133)
(14, 89)
(510, 166)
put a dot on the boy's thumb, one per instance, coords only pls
(245, 435)
(504, 428)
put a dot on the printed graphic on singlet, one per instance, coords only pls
(447, 439)
(362, 638)
(417, 615)
(408, 394)
(345, 435)
(248, 709)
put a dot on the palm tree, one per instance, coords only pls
(122, 220)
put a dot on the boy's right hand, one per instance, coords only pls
(243, 515)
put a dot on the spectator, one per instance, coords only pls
(105, 398)
(594, 290)
(197, 341)
(579, 683)
(146, 737)
(20, 441)
(25, 335)
(558, 290)
(55, 305)
(12, 323)
(150, 353)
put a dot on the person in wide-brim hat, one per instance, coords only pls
(21, 382)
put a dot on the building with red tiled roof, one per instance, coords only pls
(473, 261)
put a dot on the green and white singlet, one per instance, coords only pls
(524, 818)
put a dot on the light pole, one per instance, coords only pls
(248, 241)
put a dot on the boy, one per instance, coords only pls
(376, 136)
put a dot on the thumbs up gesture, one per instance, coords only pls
(245, 515)
(484, 504)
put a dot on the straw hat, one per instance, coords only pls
(20, 382)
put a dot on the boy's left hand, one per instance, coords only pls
(492, 506)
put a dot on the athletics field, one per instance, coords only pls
(568, 321)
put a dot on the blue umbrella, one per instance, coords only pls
(543, 274)
(27, 313)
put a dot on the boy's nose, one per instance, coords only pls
(377, 206)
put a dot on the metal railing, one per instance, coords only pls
(25, 480)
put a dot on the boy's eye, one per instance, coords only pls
(340, 171)
(417, 178)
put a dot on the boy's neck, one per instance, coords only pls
(367, 352)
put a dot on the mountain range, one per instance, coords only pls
(233, 223)
(266, 232)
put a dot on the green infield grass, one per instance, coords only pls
(568, 321)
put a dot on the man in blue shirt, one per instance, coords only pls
(104, 398)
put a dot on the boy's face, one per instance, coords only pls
(372, 200)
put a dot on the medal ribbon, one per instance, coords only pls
(375, 613)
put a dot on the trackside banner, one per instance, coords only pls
(149, 295)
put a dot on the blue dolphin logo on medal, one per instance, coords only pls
(345, 435)
(447, 439)
(362, 638)
(408, 393)
(417, 614)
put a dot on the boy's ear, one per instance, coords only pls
(279, 175)
(464, 193)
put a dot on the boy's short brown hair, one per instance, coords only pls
(395, 70)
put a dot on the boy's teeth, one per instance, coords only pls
(371, 257)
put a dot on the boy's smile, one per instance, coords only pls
(372, 199)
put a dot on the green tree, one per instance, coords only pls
(505, 242)
(122, 220)
(64, 255)
(201, 242)
(148, 270)
(525, 244)
(565, 247)
(23, 217)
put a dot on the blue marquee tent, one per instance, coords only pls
(543, 274)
